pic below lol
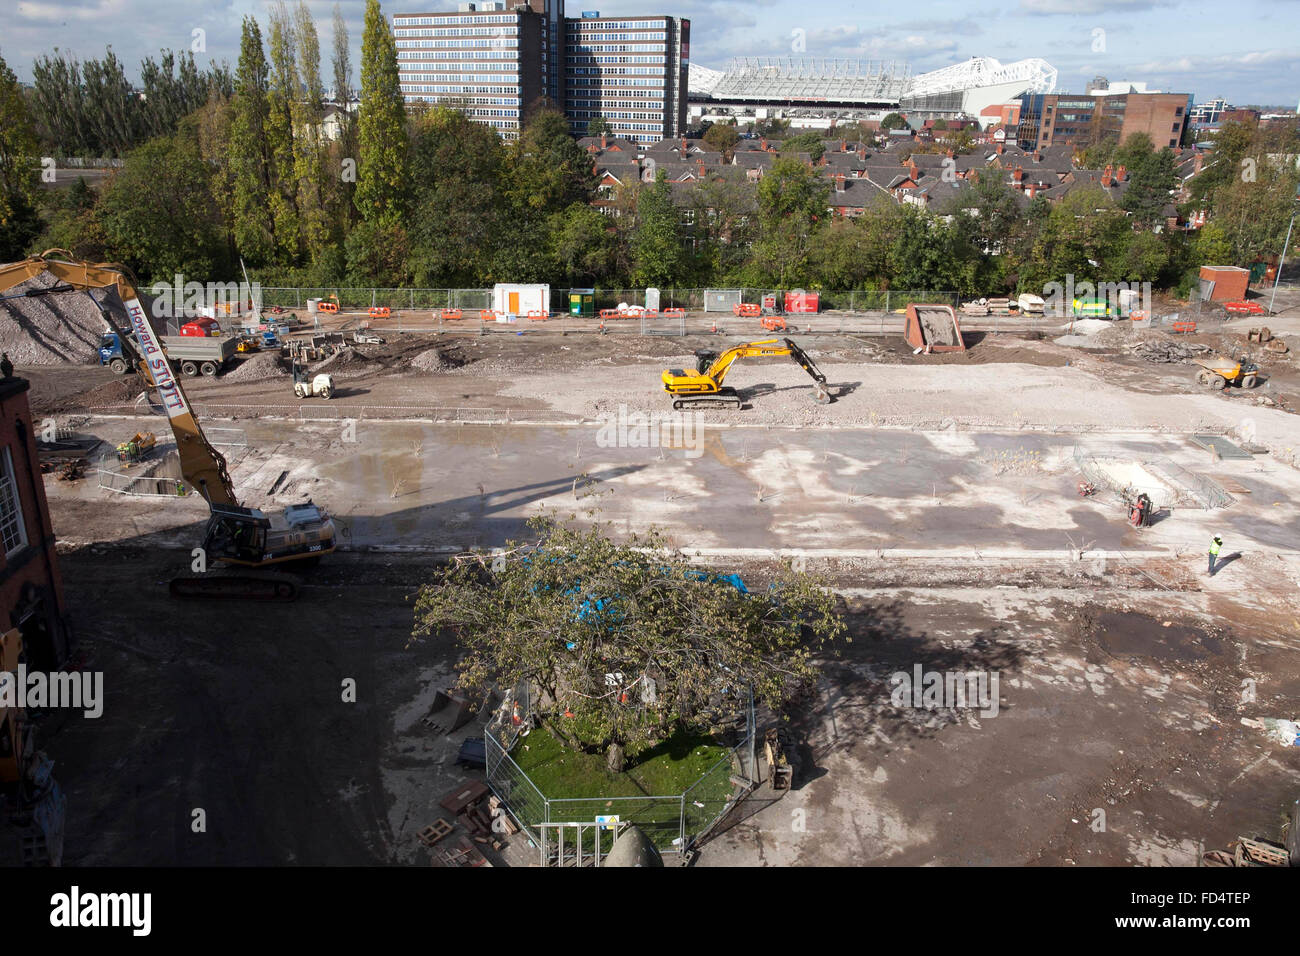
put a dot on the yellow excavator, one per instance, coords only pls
(234, 535)
(704, 385)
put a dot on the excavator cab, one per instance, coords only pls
(246, 536)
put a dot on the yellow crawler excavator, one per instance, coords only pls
(704, 385)
(234, 535)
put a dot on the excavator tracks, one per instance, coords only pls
(240, 585)
(726, 397)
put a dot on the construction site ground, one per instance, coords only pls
(938, 493)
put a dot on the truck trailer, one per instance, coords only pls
(189, 355)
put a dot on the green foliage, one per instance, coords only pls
(249, 158)
(658, 258)
(598, 125)
(457, 214)
(809, 142)
(382, 171)
(377, 254)
(157, 217)
(893, 121)
(549, 170)
(722, 138)
(1151, 178)
(520, 619)
(792, 211)
(19, 221)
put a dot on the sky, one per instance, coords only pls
(1245, 51)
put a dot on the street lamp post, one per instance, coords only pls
(1285, 245)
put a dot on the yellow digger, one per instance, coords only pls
(704, 385)
(136, 448)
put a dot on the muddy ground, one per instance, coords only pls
(238, 712)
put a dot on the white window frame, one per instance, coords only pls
(11, 507)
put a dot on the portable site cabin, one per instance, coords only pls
(520, 299)
(933, 328)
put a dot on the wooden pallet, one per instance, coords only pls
(435, 831)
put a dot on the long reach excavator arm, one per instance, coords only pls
(202, 465)
(234, 534)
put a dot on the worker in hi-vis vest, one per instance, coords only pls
(1215, 545)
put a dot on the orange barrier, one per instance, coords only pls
(610, 314)
(747, 310)
(487, 315)
(1184, 326)
(448, 314)
(537, 315)
(673, 313)
(329, 308)
(1138, 316)
(379, 312)
(774, 323)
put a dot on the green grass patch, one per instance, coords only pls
(580, 787)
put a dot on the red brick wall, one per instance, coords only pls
(36, 565)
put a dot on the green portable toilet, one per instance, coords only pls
(582, 302)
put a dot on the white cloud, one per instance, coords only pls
(1079, 7)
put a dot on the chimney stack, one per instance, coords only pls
(1018, 174)
(862, 152)
(999, 149)
(912, 170)
(1106, 175)
(604, 141)
(762, 144)
(1121, 174)
(844, 146)
(839, 183)
(683, 146)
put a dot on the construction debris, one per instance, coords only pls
(1166, 352)
(51, 329)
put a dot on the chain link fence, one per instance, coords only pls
(673, 822)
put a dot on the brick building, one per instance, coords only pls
(1065, 119)
(31, 589)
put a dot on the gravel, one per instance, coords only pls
(434, 360)
(260, 366)
(50, 330)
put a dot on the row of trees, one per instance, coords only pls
(91, 109)
(430, 198)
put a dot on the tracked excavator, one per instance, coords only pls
(243, 539)
(704, 385)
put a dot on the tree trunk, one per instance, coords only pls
(615, 758)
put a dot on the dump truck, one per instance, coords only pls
(189, 355)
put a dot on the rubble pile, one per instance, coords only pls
(1167, 352)
(50, 329)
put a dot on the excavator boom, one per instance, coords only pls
(202, 465)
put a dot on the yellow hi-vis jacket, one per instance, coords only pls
(1214, 547)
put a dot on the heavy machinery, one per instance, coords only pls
(137, 447)
(234, 535)
(1219, 372)
(318, 386)
(704, 385)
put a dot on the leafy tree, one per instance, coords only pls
(377, 254)
(597, 126)
(548, 170)
(382, 174)
(1213, 245)
(458, 213)
(940, 125)
(283, 93)
(250, 152)
(893, 121)
(583, 245)
(1150, 184)
(658, 257)
(722, 138)
(809, 142)
(792, 211)
(19, 222)
(157, 214)
(111, 105)
(59, 105)
(562, 614)
(310, 154)
(1232, 145)
(342, 189)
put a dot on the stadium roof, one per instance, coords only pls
(1037, 75)
(776, 79)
